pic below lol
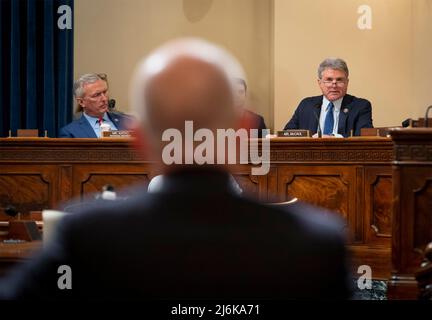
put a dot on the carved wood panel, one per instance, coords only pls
(28, 189)
(415, 220)
(252, 186)
(412, 207)
(320, 187)
(89, 180)
(333, 188)
(378, 205)
(423, 215)
(120, 181)
(249, 184)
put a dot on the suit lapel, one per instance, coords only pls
(343, 115)
(116, 120)
(86, 127)
(316, 110)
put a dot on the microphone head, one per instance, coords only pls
(426, 124)
(406, 123)
(107, 187)
(111, 104)
(108, 193)
(11, 211)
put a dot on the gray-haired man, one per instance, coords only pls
(338, 113)
(91, 94)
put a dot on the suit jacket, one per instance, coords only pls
(356, 113)
(254, 121)
(81, 128)
(194, 239)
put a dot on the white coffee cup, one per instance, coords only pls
(50, 221)
(104, 127)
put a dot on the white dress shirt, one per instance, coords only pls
(336, 111)
(94, 123)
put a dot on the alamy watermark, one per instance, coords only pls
(364, 22)
(65, 19)
(226, 146)
(65, 280)
(365, 280)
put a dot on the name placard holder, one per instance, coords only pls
(117, 134)
(27, 133)
(294, 133)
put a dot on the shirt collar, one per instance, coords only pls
(93, 120)
(337, 103)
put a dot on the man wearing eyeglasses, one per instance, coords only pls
(339, 114)
(91, 94)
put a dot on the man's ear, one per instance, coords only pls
(80, 102)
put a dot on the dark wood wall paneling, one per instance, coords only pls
(412, 208)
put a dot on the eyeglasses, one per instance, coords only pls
(338, 82)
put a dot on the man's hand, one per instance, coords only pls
(328, 136)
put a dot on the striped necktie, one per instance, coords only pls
(329, 119)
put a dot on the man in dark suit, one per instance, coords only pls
(338, 113)
(194, 237)
(91, 94)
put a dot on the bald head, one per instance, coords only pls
(189, 89)
(186, 80)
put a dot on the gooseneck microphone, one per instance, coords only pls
(319, 125)
(112, 109)
(427, 116)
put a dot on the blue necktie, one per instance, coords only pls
(329, 119)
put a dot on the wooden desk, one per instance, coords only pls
(351, 176)
(13, 253)
(412, 208)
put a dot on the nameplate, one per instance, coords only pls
(117, 134)
(294, 133)
(26, 133)
(378, 132)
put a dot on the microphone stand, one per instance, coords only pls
(319, 126)
(112, 109)
(427, 117)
